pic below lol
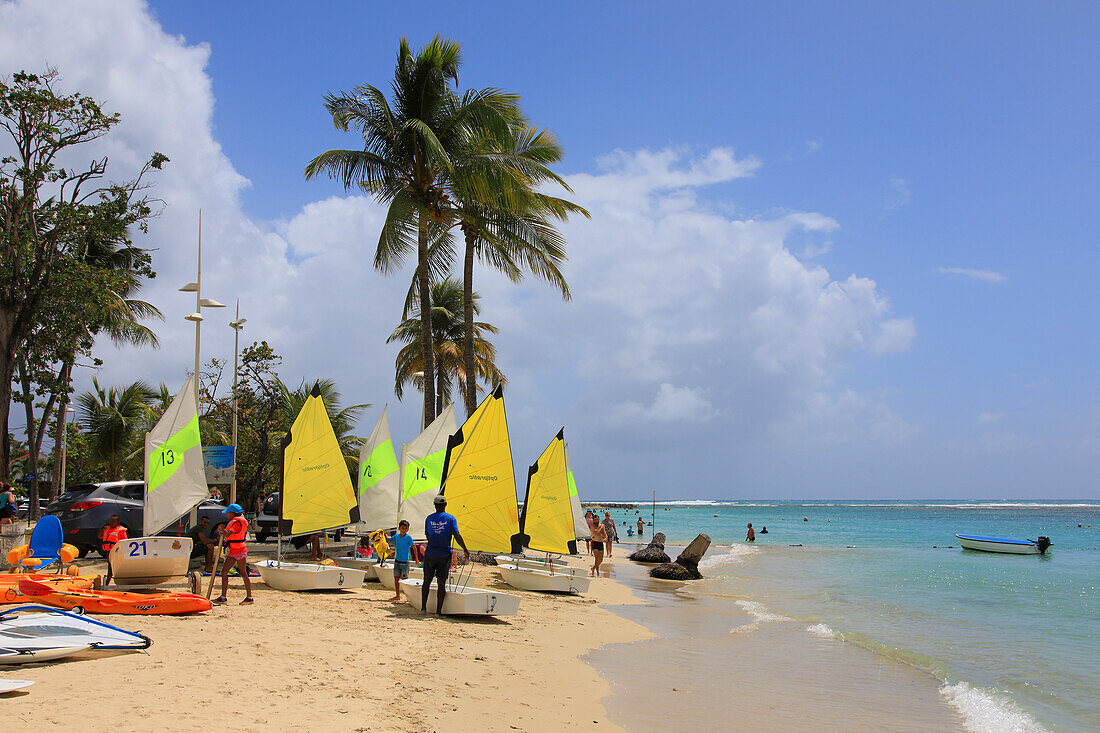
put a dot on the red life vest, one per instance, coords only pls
(236, 530)
(112, 536)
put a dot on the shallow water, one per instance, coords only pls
(1009, 642)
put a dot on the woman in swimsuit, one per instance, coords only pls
(599, 536)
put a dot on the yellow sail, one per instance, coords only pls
(316, 491)
(547, 512)
(479, 481)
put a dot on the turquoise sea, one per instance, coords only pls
(1013, 641)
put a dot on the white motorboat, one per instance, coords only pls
(298, 576)
(462, 601)
(384, 573)
(537, 563)
(366, 564)
(543, 580)
(1005, 546)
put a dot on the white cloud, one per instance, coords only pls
(688, 322)
(988, 276)
(900, 195)
(989, 418)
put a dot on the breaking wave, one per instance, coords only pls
(986, 711)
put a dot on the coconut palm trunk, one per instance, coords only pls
(469, 358)
(423, 286)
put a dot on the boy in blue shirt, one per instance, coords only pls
(402, 544)
(439, 528)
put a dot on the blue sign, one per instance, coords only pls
(219, 463)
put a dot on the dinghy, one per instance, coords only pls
(462, 601)
(546, 525)
(480, 486)
(175, 483)
(544, 580)
(422, 463)
(14, 685)
(555, 565)
(1005, 546)
(379, 493)
(366, 564)
(32, 627)
(315, 495)
(384, 573)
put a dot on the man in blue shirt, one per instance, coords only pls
(439, 528)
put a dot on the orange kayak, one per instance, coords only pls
(9, 584)
(110, 601)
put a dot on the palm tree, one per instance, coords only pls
(511, 229)
(291, 402)
(448, 326)
(114, 421)
(412, 148)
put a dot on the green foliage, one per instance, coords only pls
(115, 421)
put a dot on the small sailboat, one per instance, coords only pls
(175, 482)
(315, 495)
(422, 471)
(546, 525)
(384, 573)
(379, 492)
(1004, 546)
(480, 486)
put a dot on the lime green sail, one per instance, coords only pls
(580, 526)
(379, 478)
(175, 478)
(422, 470)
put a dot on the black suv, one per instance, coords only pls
(84, 508)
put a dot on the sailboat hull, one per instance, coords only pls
(294, 576)
(542, 580)
(367, 565)
(463, 601)
(384, 573)
(145, 562)
(558, 565)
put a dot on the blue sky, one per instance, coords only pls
(950, 152)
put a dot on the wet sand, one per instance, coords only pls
(714, 665)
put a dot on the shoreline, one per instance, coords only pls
(718, 655)
(345, 660)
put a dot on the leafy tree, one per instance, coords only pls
(448, 327)
(412, 147)
(48, 215)
(114, 421)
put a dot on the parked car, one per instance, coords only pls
(85, 508)
(267, 521)
(23, 505)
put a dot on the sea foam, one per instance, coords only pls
(986, 711)
(734, 556)
(825, 632)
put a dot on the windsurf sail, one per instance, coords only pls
(580, 526)
(379, 478)
(422, 471)
(316, 492)
(479, 481)
(175, 479)
(547, 521)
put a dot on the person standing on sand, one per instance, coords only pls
(751, 536)
(234, 533)
(599, 536)
(7, 504)
(402, 546)
(439, 528)
(610, 534)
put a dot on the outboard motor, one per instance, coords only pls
(1042, 543)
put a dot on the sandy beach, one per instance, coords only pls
(338, 661)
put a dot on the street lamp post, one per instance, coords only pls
(236, 325)
(64, 445)
(196, 318)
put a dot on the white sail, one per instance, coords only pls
(379, 478)
(175, 480)
(580, 526)
(422, 470)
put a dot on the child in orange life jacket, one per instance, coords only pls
(233, 534)
(109, 536)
